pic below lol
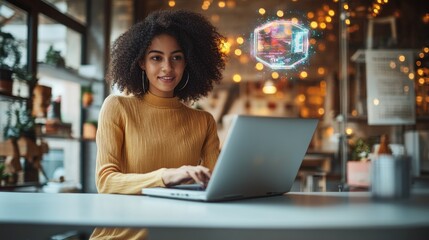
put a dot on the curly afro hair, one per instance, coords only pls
(198, 39)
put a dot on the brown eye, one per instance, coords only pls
(178, 58)
(156, 58)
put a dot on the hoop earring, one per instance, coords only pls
(143, 81)
(186, 83)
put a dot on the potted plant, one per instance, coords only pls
(10, 57)
(53, 57)
(20, 141)
(360, 150)
(359, 166)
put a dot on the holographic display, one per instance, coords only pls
(281, 44)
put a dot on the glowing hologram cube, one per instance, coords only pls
(281, 44)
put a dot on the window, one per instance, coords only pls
(57, 37)
(75, 9)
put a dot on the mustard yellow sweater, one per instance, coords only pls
(138, 138)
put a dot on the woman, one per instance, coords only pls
(149, 138)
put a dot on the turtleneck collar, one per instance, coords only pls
(161, 102)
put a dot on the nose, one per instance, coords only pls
(167, 66)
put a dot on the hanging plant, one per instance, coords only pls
(19, 123)
(10, 57)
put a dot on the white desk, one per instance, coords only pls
(292, 216)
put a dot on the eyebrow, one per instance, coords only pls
(160, 52)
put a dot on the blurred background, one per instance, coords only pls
(64, 46)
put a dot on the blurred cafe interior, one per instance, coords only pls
(360, 67)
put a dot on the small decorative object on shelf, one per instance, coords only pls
(41, 100)
(391, 175)
(55, 128)
(384, 145)
(87, 96)
(54, 113)
(89, 130)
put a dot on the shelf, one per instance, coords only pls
(7, 97)
(359, 55)
(16, 187)
(364, 118)
(357, 118)
(64, 74)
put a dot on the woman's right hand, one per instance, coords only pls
(175, 176)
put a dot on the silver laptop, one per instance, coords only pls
(260, 157)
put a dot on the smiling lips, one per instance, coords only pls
(166, 79)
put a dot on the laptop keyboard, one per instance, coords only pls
(194, 187)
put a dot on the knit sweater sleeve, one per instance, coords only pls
(110, 144)
(210, 150)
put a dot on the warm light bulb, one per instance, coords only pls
(259, 66)
(376, 102)
(269, 87)
(237, 52)
(419, 99)
(275, 75)
(349, 131)
(236, 78)
(206, 5)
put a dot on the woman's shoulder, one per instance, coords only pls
(115, 99)
(200, 113)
